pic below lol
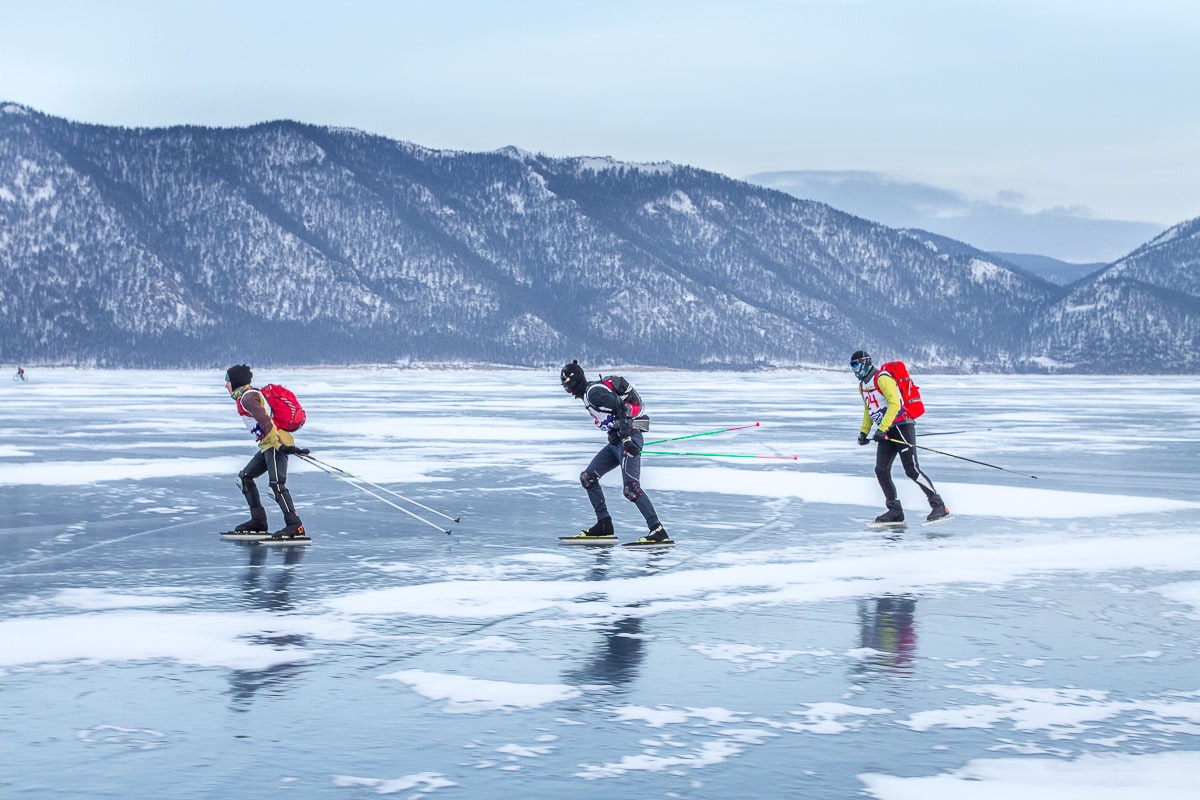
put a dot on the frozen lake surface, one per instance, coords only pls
(1043, 644)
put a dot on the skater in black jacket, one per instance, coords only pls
(617, 408)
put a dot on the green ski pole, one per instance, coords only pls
(714, 455)
(706, 433)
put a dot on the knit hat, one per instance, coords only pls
(238, 375)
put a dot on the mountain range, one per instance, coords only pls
(288, 243)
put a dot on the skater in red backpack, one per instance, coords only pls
(617, 408)
(274, 444)
(895, 433)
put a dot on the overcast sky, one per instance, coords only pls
(1086, 105)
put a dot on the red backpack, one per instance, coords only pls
(910, 393)
(285, 408)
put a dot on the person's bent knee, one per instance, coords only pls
(588, 479)
(633, 491)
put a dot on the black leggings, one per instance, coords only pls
(274, 463)
(885, 455)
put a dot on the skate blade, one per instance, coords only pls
(887, 526)
(641, 544)
(588, 540)
(244, 536)
(947, 518)
(285, 541)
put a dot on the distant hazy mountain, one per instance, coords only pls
(996, 226)
(1140, 314)
(293, 243)
(1051, 269)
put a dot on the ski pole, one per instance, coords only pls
(706, 433)
(381, 488)
(713, 455)
(961, 458)
(346, 478)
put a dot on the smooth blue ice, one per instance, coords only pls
(1044, 643)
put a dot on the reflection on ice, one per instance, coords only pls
(887, 634)
(615, 660)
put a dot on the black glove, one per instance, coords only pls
(632, 448)
(880, 436)
(292, 450)
(862, 438)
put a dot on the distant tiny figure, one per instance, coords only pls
(20, 376)
(274, 444)
(895, 432)
(617, 409)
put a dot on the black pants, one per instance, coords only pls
(274, 463)
(609, 458)
(885, 455)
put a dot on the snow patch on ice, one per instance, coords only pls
(1061, 713)
(123, 736)
(706, 755)
(467, 695)
(209, 640)
(422, 782)
(1162, 776)
(489, 644)
(101, 599)
(81, 473)
(964, 498)
(819, 718)
(525, 751)
(746, 656)
(662, 716)
(1185, 592)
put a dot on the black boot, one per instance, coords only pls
(658, 534)
(893, 514)
(657, 537)
(600, 533)
(257, 522)
(603, 527)
(939, 509)
(292, 528)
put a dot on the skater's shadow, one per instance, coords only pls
(887, 634)
(267, 588)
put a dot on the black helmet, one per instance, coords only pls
(860, 362)
(238, 375)
(574, 381)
